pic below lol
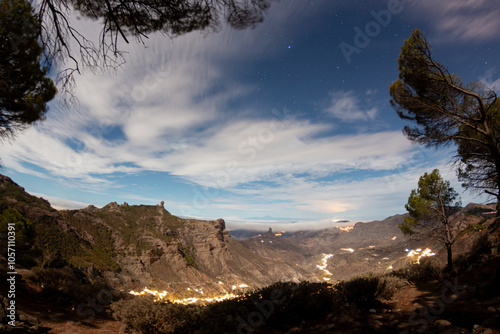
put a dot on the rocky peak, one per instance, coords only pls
(221, 229)
(112, 206)
(6, 179)
(221, 224)
(91, 208)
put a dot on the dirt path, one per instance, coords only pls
(98, 326)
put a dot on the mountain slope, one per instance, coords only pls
(143, 246)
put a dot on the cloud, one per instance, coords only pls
(290, 226)
(62, 203)
(464, 20)
(342, 197)
(255, 152)
(345, 105)
(490, 81)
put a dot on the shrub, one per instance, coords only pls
(12, 221)
(144, 315)
(414, 272)
(187, 253)
(157, 252)
(364, 291)
(65, 285)
(481, 246)
(393, 283)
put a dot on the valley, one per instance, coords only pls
(138, 251)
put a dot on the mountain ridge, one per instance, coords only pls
(138, 246)
(144, 245)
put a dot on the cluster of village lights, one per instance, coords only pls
(418, 252)
(163, 295)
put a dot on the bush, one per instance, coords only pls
(289, 303)
(365, 291)
(144, 315)
(414, 272)
(481, 246)
(393, 283)
(11, 221)
(67, 286)
(187, 253)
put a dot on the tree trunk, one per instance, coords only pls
(493, 227)
(449, 267)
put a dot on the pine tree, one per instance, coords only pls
(430, 207)
(25, 88)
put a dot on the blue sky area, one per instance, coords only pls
(288, 122)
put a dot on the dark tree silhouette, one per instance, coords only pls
(445, 111)
(122, 19)
(25, 88)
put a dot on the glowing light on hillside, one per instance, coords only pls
(394, 238)
(420, 254)
(163, 295)
(346, 229)
(241, 286)
(348, 250)
(324, 264)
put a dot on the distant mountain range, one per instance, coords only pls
(134, 247)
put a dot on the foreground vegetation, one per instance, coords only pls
(278, 306)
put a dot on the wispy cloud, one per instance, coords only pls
(62, 203)
(347, 106)
(490, 80)
(464, 20)
(343, 197)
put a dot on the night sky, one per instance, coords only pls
(287, 122)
